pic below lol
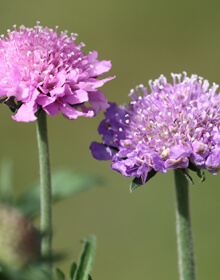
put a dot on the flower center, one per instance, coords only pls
(162, 120)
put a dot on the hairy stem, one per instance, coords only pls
(184, 230)
(45, 186)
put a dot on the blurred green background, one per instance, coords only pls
(142, 38)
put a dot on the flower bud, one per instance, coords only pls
(19, 240)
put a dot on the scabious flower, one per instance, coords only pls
(39, 69)
(174, 126)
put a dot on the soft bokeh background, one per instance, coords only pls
(143, 38)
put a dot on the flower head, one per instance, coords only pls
(174, 126)
(39, 69)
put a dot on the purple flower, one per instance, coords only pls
(174, 126)
(39, 69)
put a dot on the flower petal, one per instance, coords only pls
(100, 151)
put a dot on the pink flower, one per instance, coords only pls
(39, 69)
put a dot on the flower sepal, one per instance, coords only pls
(137, 182)
(187, 176)
(11, 103)
(199, 171)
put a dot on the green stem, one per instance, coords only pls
(6, 174)
(45, 186)
(184, 230)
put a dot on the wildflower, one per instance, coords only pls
(39, 69)
(174, 126)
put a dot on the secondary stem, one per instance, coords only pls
(184, 230)
(6, 175)
(45, 186)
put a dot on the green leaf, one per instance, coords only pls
(54, 257)
(73, 269)
(60, 275)
(86, 259)
(64, 184)
(89, 278)
(26, 273)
